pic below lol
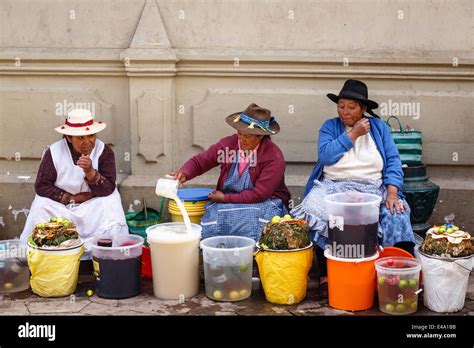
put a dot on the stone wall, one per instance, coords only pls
(164, 74)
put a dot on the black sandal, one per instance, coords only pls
(323, 291)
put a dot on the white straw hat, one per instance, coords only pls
(80, 122)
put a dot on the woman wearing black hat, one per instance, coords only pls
(356, 152)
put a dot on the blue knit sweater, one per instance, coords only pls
(334, 142)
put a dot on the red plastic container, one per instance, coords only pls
(146, 262)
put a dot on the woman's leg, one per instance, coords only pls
(322, 265)
(323, 272)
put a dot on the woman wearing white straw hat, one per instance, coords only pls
(76, 181)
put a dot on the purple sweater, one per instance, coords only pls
(102, 185)
(268, 175)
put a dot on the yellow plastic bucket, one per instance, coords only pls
(54, 272)
(195, 211)
(284, 273)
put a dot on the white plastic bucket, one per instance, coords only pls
(174, 260)
(73, 250)
(445, 282)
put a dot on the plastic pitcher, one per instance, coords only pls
(398, 280)
(167, 187)
(174, 260)
(353, 224)
(228, 264)
(118, 268)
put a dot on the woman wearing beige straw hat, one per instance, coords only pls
(76, 180)
(251, 186)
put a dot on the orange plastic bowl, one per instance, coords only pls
(394, 251)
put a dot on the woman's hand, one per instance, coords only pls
(85, 163)
(360, 128)
(178, 176)
(81, 197)
(392, 202)
(216, 196)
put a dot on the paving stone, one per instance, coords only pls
(147, 307)
(26, 303)
(10, 307)
(101, 309)
(201, 305)
(61, 305)
(104, 301)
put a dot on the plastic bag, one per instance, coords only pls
(54, 275)
(284, 274)
(445, 283)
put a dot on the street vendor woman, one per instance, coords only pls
(251, 187)
(76, 181)
(356, 152)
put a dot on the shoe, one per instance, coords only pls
(323, 288)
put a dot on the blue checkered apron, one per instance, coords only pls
(239, 219)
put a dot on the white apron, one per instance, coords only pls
(96, 216)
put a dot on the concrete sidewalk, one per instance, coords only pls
(26, 303)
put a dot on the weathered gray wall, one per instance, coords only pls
(164, 74)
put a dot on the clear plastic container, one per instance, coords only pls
(14, 271)
(398, 284)
(353, 224)
(174, 260)
(117, 268)
(228, 264)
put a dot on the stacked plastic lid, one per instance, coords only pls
(194, 194)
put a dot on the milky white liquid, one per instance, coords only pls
(175, 262)
(180, 205)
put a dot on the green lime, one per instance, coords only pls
(243, 293)
(390, 308)
(402, 284)
(412, 283)
(243, 267)
(414, 305)
(218, 295)
(401, 308)
(234, 295)
(381, 280)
